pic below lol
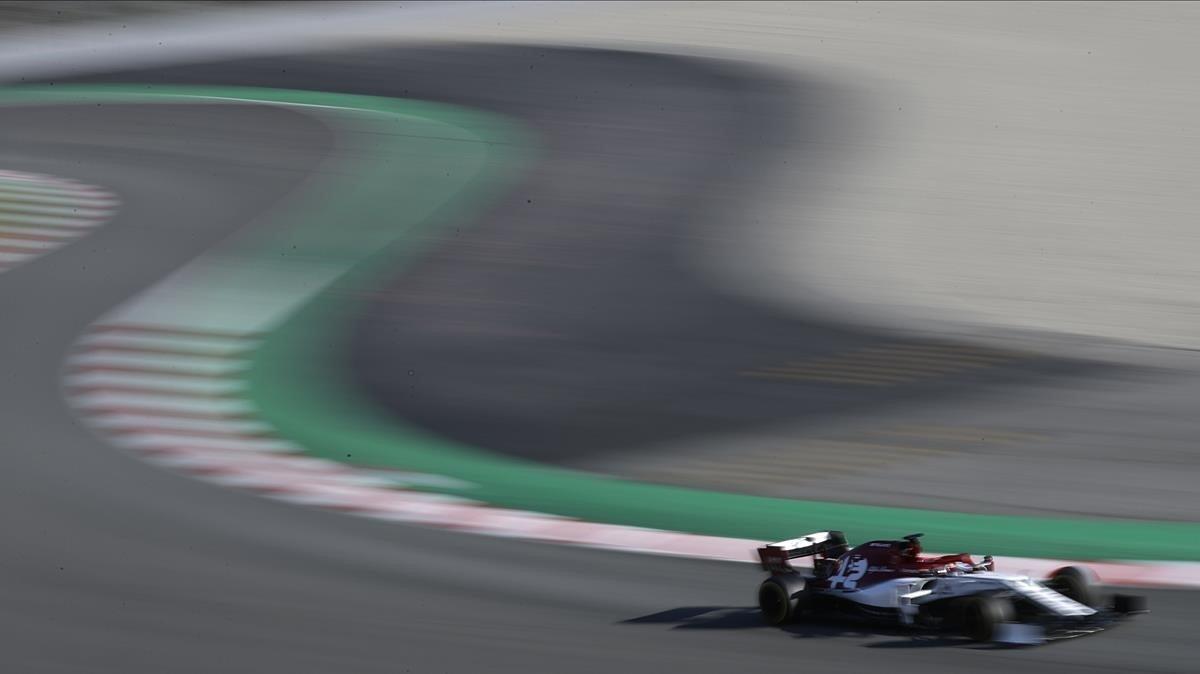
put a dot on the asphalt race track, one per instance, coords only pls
(529, 296)
(114, 566)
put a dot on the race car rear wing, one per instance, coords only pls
(775, 557)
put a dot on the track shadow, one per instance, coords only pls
(748, 618)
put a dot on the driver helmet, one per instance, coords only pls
(914, 546)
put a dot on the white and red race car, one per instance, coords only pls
(892, 581)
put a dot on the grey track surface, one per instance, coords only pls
(110, 565)
(570, 325)
(21, 14)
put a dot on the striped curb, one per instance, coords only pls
(176, 396)
(40, 213)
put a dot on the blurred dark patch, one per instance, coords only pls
(566, 320)
(703, 617)
(740, 618)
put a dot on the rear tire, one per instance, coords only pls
(980, 617)
(1074, 582)
(779, 600)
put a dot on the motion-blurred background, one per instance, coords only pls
(576, 272)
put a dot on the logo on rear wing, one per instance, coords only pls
(774, 559)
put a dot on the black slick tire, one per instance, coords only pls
(1075, 583)
(778, 600)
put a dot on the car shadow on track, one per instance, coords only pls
(748, 618)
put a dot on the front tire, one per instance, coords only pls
(1074, 582)
(981, 616)
(779, 600)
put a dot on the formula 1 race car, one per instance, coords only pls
(893, 582)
